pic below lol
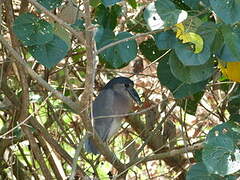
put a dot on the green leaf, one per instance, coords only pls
(181, 4)
(186, 54)
(231, 177)
(198, 155)
(199, 172)
(18, 133)
(230, 51)
(221, 157)
(168, 12)
(165, 40)
(31, 30)
(179, 89)
(50, 4)
(78, 53)
(121, 54)
(132, 3)
(95, 3)
(62, 33)
(229, 129)
(233, 106)
(110, 2)
(103, 34)
(190, 74)
(226, 54)
(227, 10)
(107, 17)
(221, 154)
(51, 53)
(149, 49)
(217, 43)
(196, 4)
(162, 14)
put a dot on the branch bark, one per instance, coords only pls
(23, 111)
(169, 154)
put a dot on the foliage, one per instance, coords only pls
(37, 34)
(174, 49)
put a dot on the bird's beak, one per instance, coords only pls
(133, 93)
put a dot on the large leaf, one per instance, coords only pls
(218, 43)
(190, 74)
(179, 89)
(107, 17)
(103, 34)
(196, 4)
(149, 49)
(51, 53)
(226, 54)
(168, 12)
(165, 40)
(221, 155)
(229, 129)
(63, 34)
(230, 51)
(163, 13)
(121, 54)
(32, 30)
(227, 10)
(50, 4)
(110, 2)
(208, 31)
(199, 172)
(186, 54)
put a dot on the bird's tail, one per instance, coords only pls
(90, 146)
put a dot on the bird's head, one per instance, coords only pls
(124, 85)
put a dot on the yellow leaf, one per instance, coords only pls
(191, 37)
(231, 70)
(180, 29)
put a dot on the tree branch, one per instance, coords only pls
(35, 76)
(168, 154)
(23, 111)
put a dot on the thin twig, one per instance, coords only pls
(128, 39)
(170, 153)
(34, 75)
(128, 114)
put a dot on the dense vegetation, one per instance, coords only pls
(184, 57)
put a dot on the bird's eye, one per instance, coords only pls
(126, 85)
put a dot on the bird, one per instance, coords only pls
(115, 98)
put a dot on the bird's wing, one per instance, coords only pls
(104, 106)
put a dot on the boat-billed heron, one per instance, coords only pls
(115, 98)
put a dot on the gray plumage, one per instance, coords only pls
(114, 99)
